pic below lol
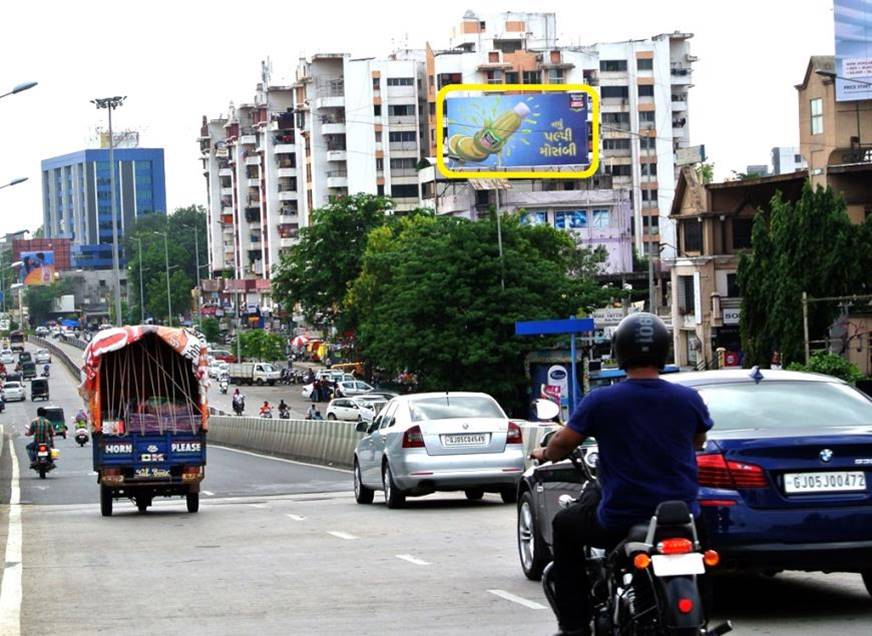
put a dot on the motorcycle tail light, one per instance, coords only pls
(514, 436)
(675, 546)
(685, 605)
(413, 438)
(711, 558)
(43, 448)
(641, 561)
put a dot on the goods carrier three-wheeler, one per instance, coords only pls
(145, 391)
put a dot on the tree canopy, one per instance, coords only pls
(259, 344)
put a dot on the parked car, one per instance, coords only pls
(783, 476)
(376, 402)
(42, 357)
(222, 354)
(14, 392)
(334, 375)
(7, 357)
(385, 395)
(42, 332)
(218, 368)
(428, 442)
(350, 409)
(350, 388)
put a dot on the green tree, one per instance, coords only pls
(39, 300)
(209, 328)
(830, 364)
(156, 295)
(429, 300)
(318, 270)
(259, 344)
(809, 246)
(705, 172)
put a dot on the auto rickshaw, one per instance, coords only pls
(55, 415)
(28, 370)
(39, 389)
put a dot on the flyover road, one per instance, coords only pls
(281, 546)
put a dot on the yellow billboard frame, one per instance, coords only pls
(516, 174)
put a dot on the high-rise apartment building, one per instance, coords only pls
(786, 160)
(77, 201)
(643, 85)
(344, 126)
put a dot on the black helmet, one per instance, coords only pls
(641, 340)
(40, 412)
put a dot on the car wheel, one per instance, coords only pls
(474, 494)
(330, 416)
(531, 548)
(362, 494)
(509, 494)
(394, 497)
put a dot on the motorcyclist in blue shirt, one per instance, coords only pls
(647, 432)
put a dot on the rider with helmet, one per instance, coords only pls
(647, 431)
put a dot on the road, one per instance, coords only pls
(282, 546)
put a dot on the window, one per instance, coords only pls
(742, 233)
(613, 66)
(616, 144)
(401, 81)
(649, 169)
(647, 143)
(646, 116)
(599, 219)
(614, 91)
(405, 191)
(817, 115)
(645, 64)
(454, 407)
(511, 77)
(375, 83)
(797, 158)
(571, 220)
(692, 236)
(533, 217)
(405, 163)
(620, 170)
(686, 284)
(555, 76)
(401, 110)
(401, 135)
(380, 189)
(733, 286)
(649, 195)
(646, 90)
(379, 164)
(378, 136)
(482, 197)
(532, 77)
(376, 110)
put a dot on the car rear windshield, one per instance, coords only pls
(457, 407)
(785, 404)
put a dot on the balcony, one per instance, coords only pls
(253, 182)
(248, 140)
(227, 219)
(330, 101)
(287, 242)
(337, 179)
(333, 128)
(337, 155)
(252, 160)
(402, 120)
(285, 149)
(287, 172)
(225, 172)
(226, 192)
(404, 147)
(288, 195)
(212, 284)
(288, 230)
(282, 121)
(252, 214)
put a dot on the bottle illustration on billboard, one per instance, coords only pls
(491, 138)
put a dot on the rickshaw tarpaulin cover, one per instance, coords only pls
(184, 342)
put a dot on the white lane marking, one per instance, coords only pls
(258, 505)
(296, 517)
(279, 459)
(208, 493)
(341, 535)
(517, 599)
(10, 592)
(411, 559)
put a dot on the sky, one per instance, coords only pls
(177, 61)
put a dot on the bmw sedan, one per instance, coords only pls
(783, 476)
(428, 442)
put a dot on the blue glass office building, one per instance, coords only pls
(77, 199)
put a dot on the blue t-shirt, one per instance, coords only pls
(644, 430)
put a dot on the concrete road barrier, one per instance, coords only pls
(75, 367)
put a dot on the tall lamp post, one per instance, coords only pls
(19, 87)
(141, 294)
(167, 260)
(110, 104)
(13, 182)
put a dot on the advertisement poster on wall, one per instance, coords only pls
(37, 268)
(853, 21)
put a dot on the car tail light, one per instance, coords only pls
(514, 436)
(413, 438)
(716, 472)
(675, 546)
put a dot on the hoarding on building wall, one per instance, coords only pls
(535, 131)
(853, 20)
(37, 268)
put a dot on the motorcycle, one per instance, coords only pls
(222, 386)
(648, 583)
(81, 436)
(45, 371)
(266, 413)
(45, 460)
(284, 413)
(239, 405)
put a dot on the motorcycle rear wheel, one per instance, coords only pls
(42, 471)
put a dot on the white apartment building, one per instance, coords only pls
(345, 126)
(787, 159)
(643, 86)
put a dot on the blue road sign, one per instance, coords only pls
(544, 327)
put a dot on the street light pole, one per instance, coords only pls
(141, 294)
(167, 261)
(20, 87)
(110, 104)
(13, 182)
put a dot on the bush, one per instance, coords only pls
(830, 364)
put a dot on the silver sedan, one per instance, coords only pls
(428, 442)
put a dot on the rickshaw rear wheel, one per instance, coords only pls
(105, 501)
(193, 501)
(142, 503)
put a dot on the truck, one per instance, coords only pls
(253, 373)
(17, 338)
(144, 389)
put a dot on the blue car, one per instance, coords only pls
(783, 476)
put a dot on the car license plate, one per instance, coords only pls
(844, 481)
(465, 439)
(677, 564)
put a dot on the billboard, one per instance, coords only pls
(37, 268)
(535, 131)
(853, 20)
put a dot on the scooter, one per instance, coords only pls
(284, 413)
(45, 371)
(266, 414)
(45, 460)
(222, 386)
(81, 436)
(239, 405)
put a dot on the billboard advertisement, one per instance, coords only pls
(524, 131)
(37, 268)
(853, 20)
